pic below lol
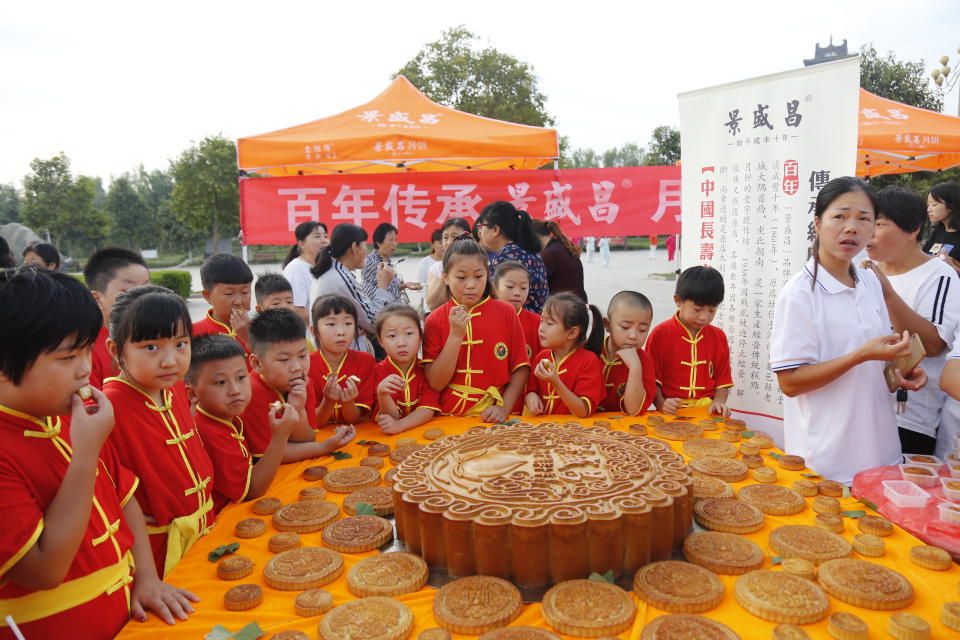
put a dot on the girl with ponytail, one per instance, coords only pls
(347, 252)
(508, 234)
(311, 239)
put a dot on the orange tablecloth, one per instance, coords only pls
(195, 572)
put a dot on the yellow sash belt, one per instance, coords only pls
(489, 397)
(70, 594)
(699, 402)
(182, 533)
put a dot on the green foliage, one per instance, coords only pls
(899, 80)
(10, 203)
(454, 72)
(340, 455)
(223, 550)
(365, 509)
(85, 226)
(664, 147)
(206, 194)
(130, 214)
(179, 282)
(603, 577)
(252, 631)
(629, 155)
(46, 195)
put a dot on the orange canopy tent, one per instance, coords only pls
(898, 138)
(399, 130)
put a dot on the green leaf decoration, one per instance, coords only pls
(774, 454)
(365, 509)
(367, 443)
(340, 455)
(606, 577)
(868, 503)
(221, 551)
(250, 632)
(810, 475)
(747, 434)
(219, 632)
(682, 418)
(775, 560)
(846, 491)
(512, 421)
(718, 418)
(854, 514)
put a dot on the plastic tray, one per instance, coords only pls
(953, 457)
(949, 512)
(904, 493)
(953, 495)
(954, 470)
(927, 461)
(922, 480)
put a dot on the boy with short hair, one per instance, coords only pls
(73, 529)
(629, 374)
(219, 382)
(691, 356)
(108, 273)
(281, 364)
(226, 281)
(273, 291)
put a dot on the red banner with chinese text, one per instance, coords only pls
(623, 201)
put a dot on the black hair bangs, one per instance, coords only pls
(211, 348)
(702, 285)
(40, 309)
(332, 304)
(150, 312)
(269, 284)
(224, 268)
(274, 326)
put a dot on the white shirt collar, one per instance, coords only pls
(825, 279)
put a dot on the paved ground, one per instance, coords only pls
(627, 270)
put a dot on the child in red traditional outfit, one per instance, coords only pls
(628, 372)
(281, 366)
(568, 368)
(347, 394)
(226, 281)
(404, 398)
(155, 435)
(473, 348)
(691, 356)
(219, 382)
(72, 529)
(511, 283)
(107, 273)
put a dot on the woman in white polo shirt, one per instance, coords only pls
(923, 296)
(831, 337)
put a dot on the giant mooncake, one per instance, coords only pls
(540, 504)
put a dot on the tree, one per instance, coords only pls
(206, 194)
(133, 224)
(454, 72)
(47, 192)
(84, 224)
(629, 155)
(903, 81)
(10, 203)
(664, 148)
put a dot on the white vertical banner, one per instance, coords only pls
(755, 155)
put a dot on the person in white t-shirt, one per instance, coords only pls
(435, 257)
(437, 294)
(831, 337)
(948, 435)
(923, 297)
(311, 239)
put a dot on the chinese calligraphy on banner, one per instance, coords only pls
(755, 154)
(586, 202)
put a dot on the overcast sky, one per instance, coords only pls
(116, 84)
